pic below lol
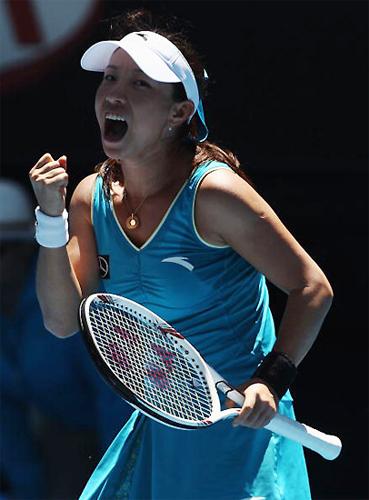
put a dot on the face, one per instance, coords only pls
(133, 111)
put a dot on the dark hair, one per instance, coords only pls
(143, 20)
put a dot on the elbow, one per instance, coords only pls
(316, 293)
(322, 292)
(329, 295)
(326, 290)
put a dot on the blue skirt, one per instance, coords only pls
(150, 461)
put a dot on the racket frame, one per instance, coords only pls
(327, 446)
(180, 343)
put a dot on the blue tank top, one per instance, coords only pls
(220, 303)
(210, 294)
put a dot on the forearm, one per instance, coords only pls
(303, 317)
(58, 291)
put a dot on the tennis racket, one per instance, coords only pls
(156, 370)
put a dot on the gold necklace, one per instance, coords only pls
(133, 221)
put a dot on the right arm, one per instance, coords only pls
(68, 273)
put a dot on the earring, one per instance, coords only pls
(170, 129)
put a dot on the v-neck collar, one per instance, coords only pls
(158, 227)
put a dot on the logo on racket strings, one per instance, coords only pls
(118, 356)
(125, 334)
(158, 375)
(165, 356)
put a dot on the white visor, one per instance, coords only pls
(157, 57)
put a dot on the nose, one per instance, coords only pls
(115, 100)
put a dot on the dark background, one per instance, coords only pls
(288, 95)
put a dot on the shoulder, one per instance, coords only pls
(82, 197)
(85, 187)
(219, 180)
(83, 192)
(227, 204)
(224, 190)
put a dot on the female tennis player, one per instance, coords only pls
(170, 221)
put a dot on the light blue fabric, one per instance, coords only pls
(219, 302)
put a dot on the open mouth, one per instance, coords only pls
(115, 128)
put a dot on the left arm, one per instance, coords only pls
(249, 225)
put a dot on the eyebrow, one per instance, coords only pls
(137, 70)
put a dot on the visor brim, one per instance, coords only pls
(98, 56)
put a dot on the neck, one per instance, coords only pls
(148, 176)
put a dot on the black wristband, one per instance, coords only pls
(277, 371)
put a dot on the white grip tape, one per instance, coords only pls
(51, 232)
(327, 446)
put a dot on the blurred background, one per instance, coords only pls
(288, 94)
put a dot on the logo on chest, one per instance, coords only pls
(181, 261)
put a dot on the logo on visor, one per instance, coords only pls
(143, 36)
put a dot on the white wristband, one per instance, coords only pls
(51, 232)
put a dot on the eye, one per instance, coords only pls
(141, 83)
(109, 78)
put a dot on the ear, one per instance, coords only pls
(180, 113)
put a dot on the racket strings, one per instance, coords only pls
(150, 363)
(156, 370)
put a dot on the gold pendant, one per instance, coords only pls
(132, 222)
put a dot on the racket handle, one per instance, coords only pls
(327, 446)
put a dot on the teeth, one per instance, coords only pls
(111, 116)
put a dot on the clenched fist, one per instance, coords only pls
(49, 181)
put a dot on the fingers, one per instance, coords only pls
(255, 417)
(49, 175)
(49, 180)
(63, 162)
(46, 164)
(259, 407)
(46, 158)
